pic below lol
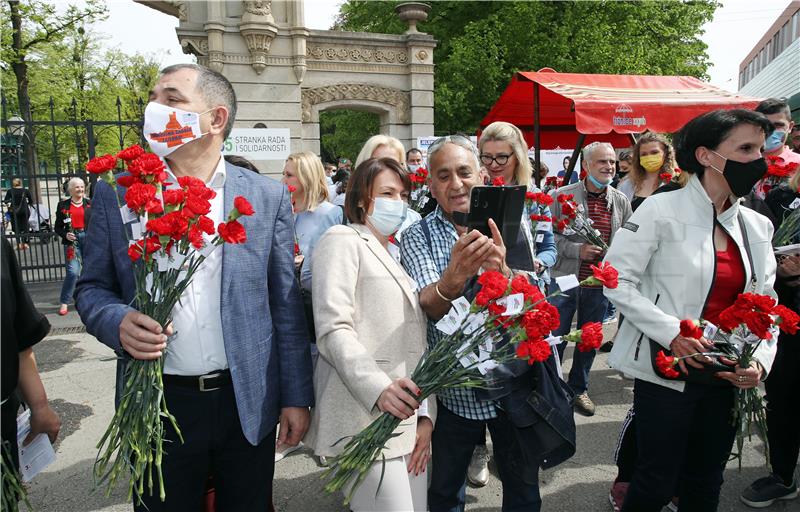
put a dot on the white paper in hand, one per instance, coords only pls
(567, 282)
(38, 454)
(795, 204)
(128, 215)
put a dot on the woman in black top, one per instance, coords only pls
(18, 201)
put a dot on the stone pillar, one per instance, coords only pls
(420, 78)
(299, 35)
(258, 30)
(214, 28)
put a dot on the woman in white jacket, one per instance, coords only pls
(687, 254)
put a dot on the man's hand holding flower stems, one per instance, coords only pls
(688, 350)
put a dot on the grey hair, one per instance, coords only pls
(214, 87)
(588, 151)
(73, 182)
(458, 140)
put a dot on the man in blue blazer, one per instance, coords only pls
(238, 356)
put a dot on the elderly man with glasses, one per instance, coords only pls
(442, 257)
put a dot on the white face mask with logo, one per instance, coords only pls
(168, 128)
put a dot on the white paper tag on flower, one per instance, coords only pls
(177, 259)
(67, 220)
(162, 260)
(475, 322)
(461, 306)
(539, 238)
(455, 317)
(149, 287)
(513, 304)
(485, 366)
(554, 341)
(207, 248)
(544, 226)
(447, 324)
(709, 331)
(127, 214)
(795, 204)
(567, 282)
(468, 360)
(136, 230)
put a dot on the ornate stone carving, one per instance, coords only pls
(357, 54)
(216, 60)
(258, 7)
(400, 100)
(258, 43)
(422, 55)
(195, 45)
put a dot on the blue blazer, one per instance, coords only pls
(264, 330)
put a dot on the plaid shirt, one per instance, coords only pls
(426, 265)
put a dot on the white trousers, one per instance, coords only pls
(400, 490)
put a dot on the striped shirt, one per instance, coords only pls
(600, 214)
(425, 264)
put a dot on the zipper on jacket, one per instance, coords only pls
(639, 343)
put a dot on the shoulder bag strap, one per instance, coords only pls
(746, 241)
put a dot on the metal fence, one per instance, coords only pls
(45, 155)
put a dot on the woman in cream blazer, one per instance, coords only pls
(370, 335)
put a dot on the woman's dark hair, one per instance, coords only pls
(242, 162)
(359, 189)
(709, 130)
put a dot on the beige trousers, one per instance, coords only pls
(400, 490)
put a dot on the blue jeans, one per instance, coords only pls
(591, 305)
(454, 439)
(683, 442)
(73, 269)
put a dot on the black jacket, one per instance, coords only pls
(61, 228)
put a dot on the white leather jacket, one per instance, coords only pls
(666, 257)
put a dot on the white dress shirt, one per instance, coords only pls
(197, 348)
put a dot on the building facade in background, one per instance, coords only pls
(772, 68)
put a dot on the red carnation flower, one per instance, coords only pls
(690, 329)
(665, 365)
(174, 196)
(141, 196)
(591, 337)
(787, 319)
(493, 284)
(190, 182)
(205, 225)
(606, 274)
(70, 253)
(498, 181)
(562, 224)
(196, 204)
(127, 181)
(232, 232)
(131, 153)
(135, 250)
(243, 206)
(535, 351)
(101, 164)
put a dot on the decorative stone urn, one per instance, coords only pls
(412, 13)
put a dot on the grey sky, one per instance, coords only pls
(736, 28)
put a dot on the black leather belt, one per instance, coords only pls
(208, 382)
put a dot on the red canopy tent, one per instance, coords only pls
(567, 110)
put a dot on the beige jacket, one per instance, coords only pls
(370, 331)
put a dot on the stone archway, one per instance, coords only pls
(285, 74)
(393, 107)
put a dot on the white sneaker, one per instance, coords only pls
(283, 450)
(478, 471)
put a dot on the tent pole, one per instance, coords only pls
(574, 158)
(536, 134)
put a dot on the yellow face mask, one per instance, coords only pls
(652, 163)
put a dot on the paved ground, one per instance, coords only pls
(78, 373)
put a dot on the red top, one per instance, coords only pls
(598, 211)
(728, 282)
(76, 215)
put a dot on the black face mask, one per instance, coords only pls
(742, 177)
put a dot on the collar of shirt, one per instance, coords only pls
(216, 181)
(446, 225)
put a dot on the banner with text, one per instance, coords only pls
(258, 143)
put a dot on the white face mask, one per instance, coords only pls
(413, 167)
(388, 215)
(168, 128)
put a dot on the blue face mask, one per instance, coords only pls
(388, 215)
(597, 183)
(775, 141)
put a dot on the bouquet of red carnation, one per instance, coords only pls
(778, 171)
(551, 183)
(743, 326)
(575, 221)
(536, 204)
(473, 345)
(170, 237)
(419, 189)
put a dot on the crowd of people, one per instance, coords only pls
(312, 328)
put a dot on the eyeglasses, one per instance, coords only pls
(501, 159)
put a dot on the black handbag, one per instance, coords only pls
(707, 374)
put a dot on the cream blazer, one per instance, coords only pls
(370, 329)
